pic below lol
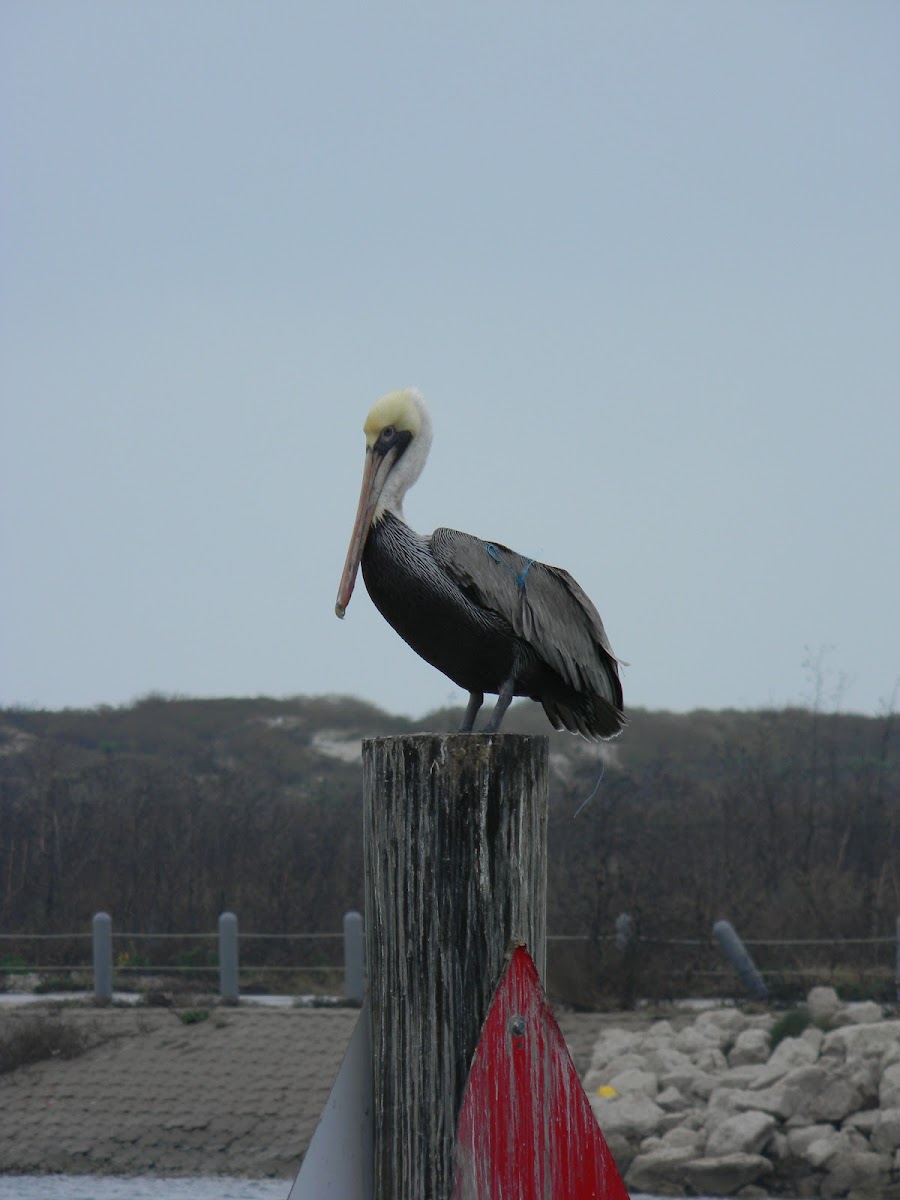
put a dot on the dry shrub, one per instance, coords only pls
(37, 1038)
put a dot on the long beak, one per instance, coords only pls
(377, 468)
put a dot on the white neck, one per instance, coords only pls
(408, 468)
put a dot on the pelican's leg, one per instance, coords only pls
(503, 702)
(476, 699)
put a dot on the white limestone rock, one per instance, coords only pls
(624, 1062)
(598, 1076)
(836, 1099)
(722, 1105)
(772, 1100)
(690, 1081)
(813, 1092)
(670, 1121)
(794, 1093)
(862, 1041)
(814, 1036)
(659, 1170)
(713, 1124)
(663, 1059)
(822, 1149)
(857, 1140)
(822, 1003)
(799, 1140)
(724, 1176)
(863, 1012)
(634, 1117)
(672, 1100)
(684, 1135)
(653, 1142)
(866, 1075)
(744, 1133)
(863, 1121)
(860, 1168)
(693, 1118)
(621, 1149)
(634, 1081)
(692, 1042)
(790, 1052)
(612, 1043)
(711, 1059)
(885, 1134)
(751, 1046)
(721, 1026)
(660, 1031)
(741, 1077)
(889, 1087)
(777, 1147)
(798, 1051)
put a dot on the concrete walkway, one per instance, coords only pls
(237, 1094)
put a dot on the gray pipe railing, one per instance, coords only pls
(625, 938)
(228, 940)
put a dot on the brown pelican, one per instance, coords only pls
(490, 619)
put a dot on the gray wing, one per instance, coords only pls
(543, 604)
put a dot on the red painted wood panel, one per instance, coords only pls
(526, 1128)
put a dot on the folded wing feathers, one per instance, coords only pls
(547, 608)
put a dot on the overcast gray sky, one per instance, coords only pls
(643, 259)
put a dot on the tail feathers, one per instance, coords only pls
(592, 716)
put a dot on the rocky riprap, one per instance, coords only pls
(712, 1109)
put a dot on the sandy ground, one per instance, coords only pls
(237, 1094)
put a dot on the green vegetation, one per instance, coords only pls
(170, 811)
(13, 964)
(194, 1016)
(789, 1025)
(198, 958)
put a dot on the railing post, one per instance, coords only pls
(228, 958)
(354, 973)
(456, 874)
(102, 954)
(624, 932)
(626, 944)
(737, 953)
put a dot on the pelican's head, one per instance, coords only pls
(398, 437)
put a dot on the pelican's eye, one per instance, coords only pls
(387, 433)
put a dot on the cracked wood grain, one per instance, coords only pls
(456, 874)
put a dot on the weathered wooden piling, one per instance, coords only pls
(456, 872)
